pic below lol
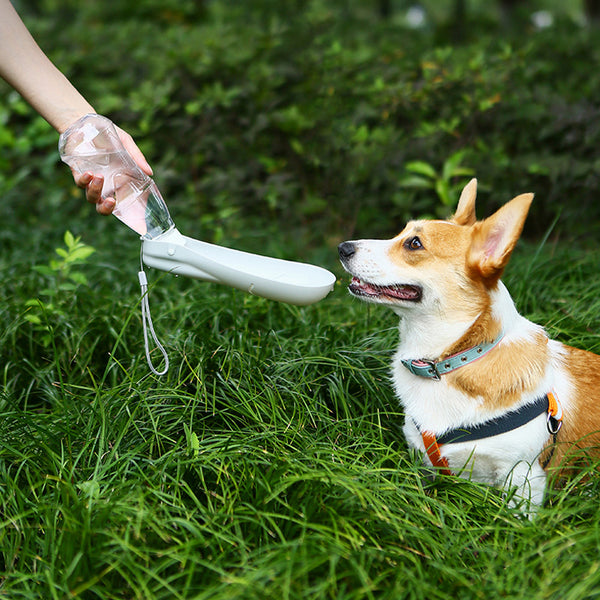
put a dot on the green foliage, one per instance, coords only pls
(310, 114)
(50, 311)
(447, 184)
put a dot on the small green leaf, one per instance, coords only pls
(361, 135)
(443, 191)
(451, 164)
(69, 239)
(463, 172)
(90, 489)
(422, 168)
(33, 319)
(67, 286)
(43, 270)
(81, 253)
(78, 278)
(414, 181)
(195, 444)
(297, 146)
(192, 440)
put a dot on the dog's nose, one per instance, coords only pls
(346, 250)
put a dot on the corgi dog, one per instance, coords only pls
(485, 393)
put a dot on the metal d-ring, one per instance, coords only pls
(553, 424)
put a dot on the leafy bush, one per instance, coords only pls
(306, 115)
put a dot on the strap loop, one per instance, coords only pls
(148, 326)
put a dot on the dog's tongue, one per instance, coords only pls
(402, 292)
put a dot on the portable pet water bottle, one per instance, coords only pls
(92, 144)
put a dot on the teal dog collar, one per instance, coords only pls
(431, 369)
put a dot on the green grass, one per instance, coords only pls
(268, 462)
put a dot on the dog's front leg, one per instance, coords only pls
(530, 483)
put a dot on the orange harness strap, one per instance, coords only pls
(433, 451)
(554, 408)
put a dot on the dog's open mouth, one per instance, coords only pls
(395, 292)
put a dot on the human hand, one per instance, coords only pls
(93, 183)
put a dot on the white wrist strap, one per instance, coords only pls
(147, 324)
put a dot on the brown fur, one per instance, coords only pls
(580, 433)
(444, 241)
(498, 378)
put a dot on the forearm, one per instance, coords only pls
(26, 68)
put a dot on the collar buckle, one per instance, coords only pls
(431, 369)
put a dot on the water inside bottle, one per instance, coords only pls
(144, 211)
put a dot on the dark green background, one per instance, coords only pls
(286, 126)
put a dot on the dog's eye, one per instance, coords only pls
(413, 243)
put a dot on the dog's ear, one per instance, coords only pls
(465, 211)
(495, 238)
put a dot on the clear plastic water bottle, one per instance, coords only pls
(92, 144)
